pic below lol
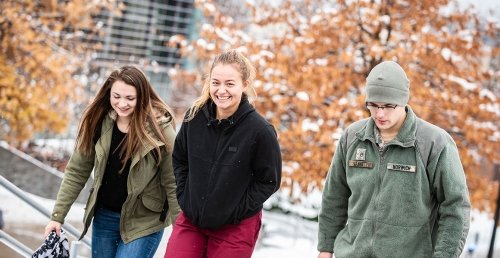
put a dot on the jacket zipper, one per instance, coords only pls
(214, 159)
(381, 151)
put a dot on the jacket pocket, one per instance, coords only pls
(347, 241)
(416, 240)
(152, 203)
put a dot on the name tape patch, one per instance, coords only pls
(401, 167)
(360, 164)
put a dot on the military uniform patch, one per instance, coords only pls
(360, 164)
(401, 167)
(360, 154)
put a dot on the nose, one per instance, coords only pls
(380, 112)
(122, 103)
(221, 89)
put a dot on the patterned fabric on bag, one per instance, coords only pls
(54, 247)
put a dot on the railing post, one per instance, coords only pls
(74, 248)
(497, 211)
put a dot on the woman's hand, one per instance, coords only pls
(53, 225)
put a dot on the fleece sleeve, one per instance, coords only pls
(266, 165)
(168, 178)
(333, 213)
(180, 162)
(453, 199)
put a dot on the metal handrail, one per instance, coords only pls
(23, 196)
(15, 245)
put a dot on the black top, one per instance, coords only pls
(113, 191)
(225, 169)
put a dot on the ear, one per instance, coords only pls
(246, 84)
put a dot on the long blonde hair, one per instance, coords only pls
(230, 57)
(149, 108)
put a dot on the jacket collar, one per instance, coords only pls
(243, 110)
(163, 121)
(406, 135)
(107, 128)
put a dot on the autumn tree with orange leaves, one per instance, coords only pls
(41, 51)
(313, 57)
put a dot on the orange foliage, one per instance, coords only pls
(313, 57)
(40, 52)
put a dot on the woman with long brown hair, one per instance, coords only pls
(126, 137)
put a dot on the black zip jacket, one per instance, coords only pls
(225, 169)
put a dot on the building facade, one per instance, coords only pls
(137, 31)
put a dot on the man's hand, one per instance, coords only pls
(325, 255)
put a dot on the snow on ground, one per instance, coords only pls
(286, 236)
(283, 235)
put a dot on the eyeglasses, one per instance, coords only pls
(374, 107)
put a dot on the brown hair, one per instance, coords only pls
(231, 57)
(148, 110)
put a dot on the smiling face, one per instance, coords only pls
(123, 98)
(226, 89)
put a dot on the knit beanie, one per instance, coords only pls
(387, 83)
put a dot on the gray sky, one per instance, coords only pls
(483, 5)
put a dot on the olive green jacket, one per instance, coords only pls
(148, 185)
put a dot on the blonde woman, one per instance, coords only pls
(227, 162)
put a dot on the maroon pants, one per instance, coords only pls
(229, 241)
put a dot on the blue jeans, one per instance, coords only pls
(107, 243)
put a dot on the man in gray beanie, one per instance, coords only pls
(396, 186)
